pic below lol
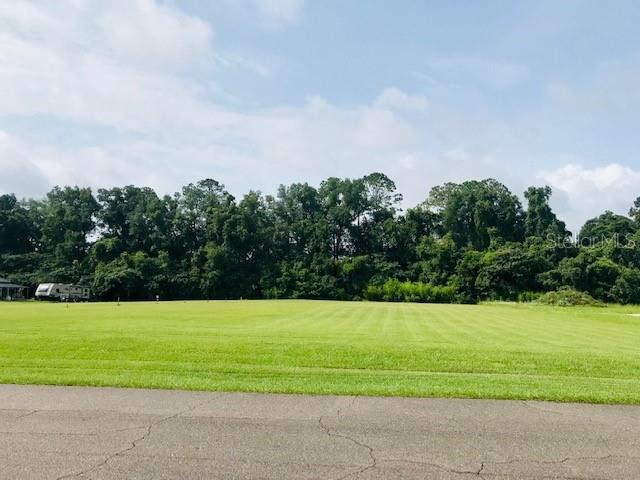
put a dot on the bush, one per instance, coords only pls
(526, 297)
(568, 297)
(397, 291)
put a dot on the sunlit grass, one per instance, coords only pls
(483, 351)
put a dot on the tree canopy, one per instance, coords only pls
(345, 239)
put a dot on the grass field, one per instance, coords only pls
(483, 351)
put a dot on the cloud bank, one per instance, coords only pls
(112, 93)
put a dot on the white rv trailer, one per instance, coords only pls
(62, 291)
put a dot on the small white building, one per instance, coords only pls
(12, 291)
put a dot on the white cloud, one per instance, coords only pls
(397, 99)
(144, 32)
(83, 63)
(38, 79)
(590, 191)
(74, 62)
(281, 11)
(319, 139)
(234, 60)
(575, 179)
(17, 169)
(138, 32)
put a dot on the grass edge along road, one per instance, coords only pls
(501, 351)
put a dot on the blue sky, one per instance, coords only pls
(256, 93)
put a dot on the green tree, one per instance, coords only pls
(607, 228)
(508, 270)
(626, 288)
(68, 220)
(18, 234)
(137, 217)
(539, 219)
(471, 209)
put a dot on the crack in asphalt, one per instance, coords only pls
(543, 477)
(480, 466)
(374, 460)
(369, 449)
(439, 466)
(562, 460)
(27, 414)
(134, 444)
(481, 472)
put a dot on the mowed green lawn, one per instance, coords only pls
(483, 351)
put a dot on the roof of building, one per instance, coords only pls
(4, 283)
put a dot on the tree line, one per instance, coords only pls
(347, 239)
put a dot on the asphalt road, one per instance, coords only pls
(108, 433)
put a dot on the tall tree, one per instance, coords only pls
(137, 217)
(539, 220)
(69, 219)
(18, 234)
(194, 208)
(470, 210)
(607, 228)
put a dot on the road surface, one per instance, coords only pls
(109, 433)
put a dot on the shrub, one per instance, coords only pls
(526, 297)
(568, 297)
(396, 291)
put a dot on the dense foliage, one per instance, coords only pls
(568, 297)
(396, 291)
(346, 239)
